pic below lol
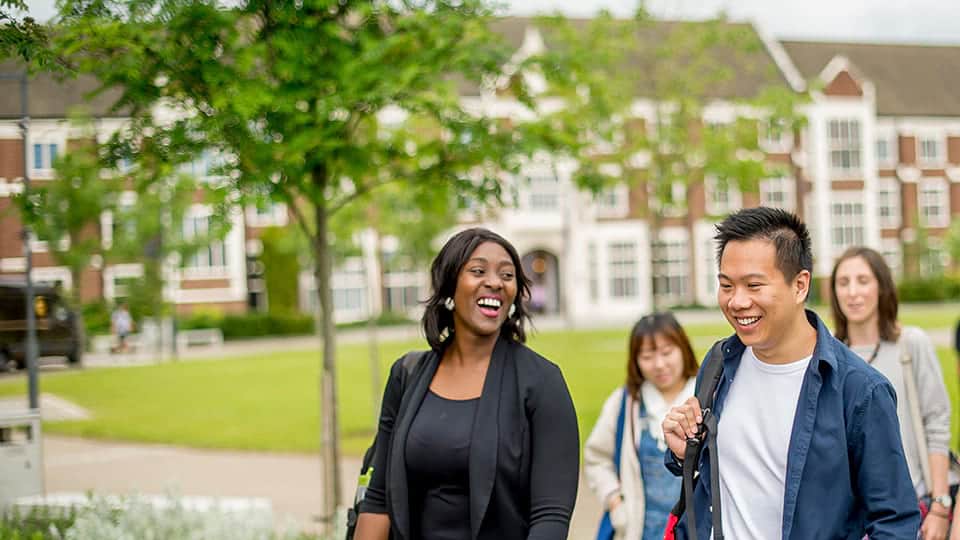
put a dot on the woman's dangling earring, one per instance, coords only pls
(448, 303)
(511, 311)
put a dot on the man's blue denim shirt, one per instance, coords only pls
(846, 471)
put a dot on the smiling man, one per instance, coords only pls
(808, 443)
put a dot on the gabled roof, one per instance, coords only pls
(910, 80)
(751, 70)
(51, 98)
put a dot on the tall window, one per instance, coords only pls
(846, 223)
(623, 258)
(887, 150)
(670, 269)
(544, 193)
(613, 201)
(844, 141)
(210, 256)
(593, 281)
(934, 202)
(722, 197)
(44, 155)
(888, 203)
(930, 149)
(710, 264)
(778, 193)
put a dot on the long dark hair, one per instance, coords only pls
(887, 303)
(665, 324)
(437, 320)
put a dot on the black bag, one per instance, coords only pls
(706, 392)
(409, 362)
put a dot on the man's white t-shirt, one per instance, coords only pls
(753, 438)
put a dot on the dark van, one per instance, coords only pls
(56, 325)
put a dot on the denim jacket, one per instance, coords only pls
(846, 472)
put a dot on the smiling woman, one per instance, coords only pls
(455, 454)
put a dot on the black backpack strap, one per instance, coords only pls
(705, 392)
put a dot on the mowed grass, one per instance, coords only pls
(269, 402)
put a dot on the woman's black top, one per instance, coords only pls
(438, 460)
(523, 459)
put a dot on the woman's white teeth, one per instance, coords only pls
(489, 302)
(748, 321)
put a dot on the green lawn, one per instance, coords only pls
(270, 402)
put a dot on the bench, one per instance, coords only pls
(200, 336)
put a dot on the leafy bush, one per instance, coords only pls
(930, 289)
(96, 317)
(250, 324)
(134, 518)
(36, 524)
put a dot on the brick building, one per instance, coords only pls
(878, 158)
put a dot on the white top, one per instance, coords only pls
(753, 438)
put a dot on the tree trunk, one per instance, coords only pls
(329, 431)
(76, 359)
(376, 383)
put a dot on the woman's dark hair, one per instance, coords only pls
(438, 320)
(887, 304)
(788, 234)
(665, 324)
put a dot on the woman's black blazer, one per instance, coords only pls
(524, 452)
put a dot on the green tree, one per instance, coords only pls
(156, 227)
(320, 101)
(22, 37)
(601, 69)
(65, 212)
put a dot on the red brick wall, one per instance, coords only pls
(909, 191)
(843, 85)
(953, 149)
(954, 200)
(223, 307)
(10, 229)
(908, 150)
(188, 284)
(842, 185)
(11, 158)
(696, 201)
(92, 285)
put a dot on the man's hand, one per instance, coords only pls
(682, 423)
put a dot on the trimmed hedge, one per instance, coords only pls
(929, 289)
(251, 325)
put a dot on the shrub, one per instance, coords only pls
(40, 523)
(96, 317)
(929, 289)
(250, 324)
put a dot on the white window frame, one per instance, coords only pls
(892, 251)
(545, 187)
(849, 223)
(195, 266)
(931, 140)
(936, 192)
(716, 207)
(784, 187)
(674, 267)
(45, 170)
(613, 202)
(623, 267)
(840, 144)
(274, 214)
(889, 211)
(775, 145)
(891, 142)
(593, 272)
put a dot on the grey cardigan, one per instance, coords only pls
(934, 402)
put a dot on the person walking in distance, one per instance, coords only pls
(807, 441)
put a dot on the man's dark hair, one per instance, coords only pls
(444, 273)
(788, 234)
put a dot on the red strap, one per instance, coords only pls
(670, 532)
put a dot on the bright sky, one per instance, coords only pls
(916, 21)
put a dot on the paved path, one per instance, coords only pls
(291, 482)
